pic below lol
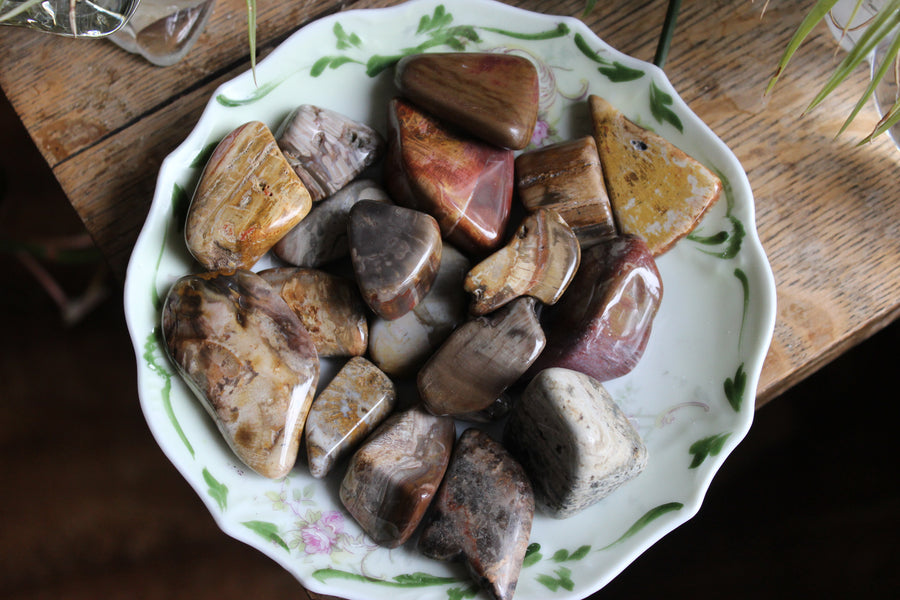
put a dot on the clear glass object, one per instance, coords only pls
(72, 18)
(163, 31)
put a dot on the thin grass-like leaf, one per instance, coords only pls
(890, 118)
(846, 26)
(251, 35)
(877, 76)
(815, 15)
(18, 10)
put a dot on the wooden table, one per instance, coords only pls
(828, 212)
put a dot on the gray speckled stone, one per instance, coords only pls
(573, 440)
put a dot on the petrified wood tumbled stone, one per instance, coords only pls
(248, 359)
(567, 177)
(329, 307)
(396, 253)
(482, 514)
(492, 96)
(462, 182)
(573, 440)
(247, 199)
(480, 359)
(321, 236)
(326, 149)
(352, 404)
(602, 324)
(394, 475)
(539, 261)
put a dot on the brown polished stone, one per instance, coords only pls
(248, 359)
(395, 253)
(480, 359)
(567, 177)
(539, 261)
(482, 514)
(464, 183)
(329, 307)
(392, 478)
(492, 96)
(247, 199)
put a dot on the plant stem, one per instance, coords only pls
(665, 38)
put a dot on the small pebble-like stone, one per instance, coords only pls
(539, 261)
(400, 346)
(321, 236)
(480, 359)
(482, 514)
(394, 475)
(356, 401)
(464, 183)
(329, 307)
(395, 253)
(492, 96)
(247, 199)
(249, 360)
(602, 324)
(326, 149)
(657, 191)
(573, 440)
(567, 177)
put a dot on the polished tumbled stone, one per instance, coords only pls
(326, 149)
(567, 177)
(356, 401)
(481, 359)
(330, 308)
(400, 346)
(393, 476)
(321, 237)
(573, 440)
(539, 261)
(249, 360)
(464, 183)
(602, 324)
(247, 199)
(395, 253)
(482, 514)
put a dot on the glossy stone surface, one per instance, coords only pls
(573, 440)
(602, 324)
(657, 191)
(464, 183)
(394, 475)
(321, 236)
(247, 199)
(480, 359)
(248, 359)
(326, 149)
(567, 177)
(482, 514)
(354, 403)
(539, 261)
(395, 253)
(400, 346)
(492, 96)
(330, 308)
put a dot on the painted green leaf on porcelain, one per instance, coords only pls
(708, 446)
(217, 491)
(561, 578)
(151, 350)
(659, 108)
(532, 554)
(410, 580)
(734, 388)
(268, 531)
(648, 517)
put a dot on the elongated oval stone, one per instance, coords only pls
(492, 96)
(539, 261)
(400, 346)
(248, 359)
(321, 236)
(573, 440)
(657, 191)
(247, 199)
(353, 404)
(395, 253)
(567, 177)
(464, 183)
(329, 307)
(394, 475)
(480, 359)
(482, 514)
(602, 324)
(326, 149)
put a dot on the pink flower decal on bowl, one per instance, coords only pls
(320, 536)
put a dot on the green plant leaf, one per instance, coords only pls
(876, 79)
(251, 35)
(218, 491)
(19, 10)
(268, 531)
(816, 14)
(890, 118)
(708, 446)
